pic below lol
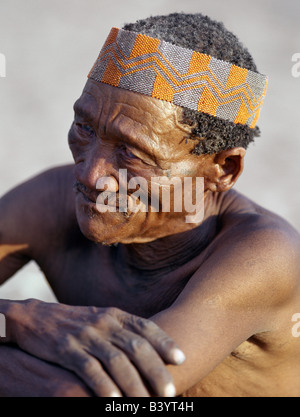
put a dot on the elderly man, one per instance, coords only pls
(196, 299)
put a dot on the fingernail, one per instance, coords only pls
(179, 356)
(114, 394)
(170, 390)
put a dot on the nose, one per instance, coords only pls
(97, 172)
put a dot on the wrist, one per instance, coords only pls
(13, 318)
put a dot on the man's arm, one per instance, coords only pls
(28, 217)
(252, 272)
(14, 249)
(23, 375)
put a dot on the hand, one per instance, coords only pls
(113, 352)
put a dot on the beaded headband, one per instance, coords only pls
(180, 76)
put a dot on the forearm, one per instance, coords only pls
(22, 375)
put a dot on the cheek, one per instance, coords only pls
(76, 152)
(77, 149)
(187, 169)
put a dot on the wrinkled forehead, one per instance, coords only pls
(108, 98)
(106, 103)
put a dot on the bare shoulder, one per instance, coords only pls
(264, 246)
(40, 205)
(251, 266)
(33, 218)
(244, 218)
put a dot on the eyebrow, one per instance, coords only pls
(126, 131)
(85, 110)
(82, 111)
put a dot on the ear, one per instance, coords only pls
(228, 166)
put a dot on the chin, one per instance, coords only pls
(107, 228)
(97, 229)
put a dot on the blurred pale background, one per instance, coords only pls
(51, 45)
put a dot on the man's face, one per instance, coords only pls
(113, 130)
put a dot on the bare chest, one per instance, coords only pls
(78, 277)
(251, 371)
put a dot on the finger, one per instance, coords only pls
(89, 369)
(147, 361)
(119, 367)
(161, 342)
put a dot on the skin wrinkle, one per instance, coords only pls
(152, 140)
(154, 133)
(126, 129)
(168, 259)
(114, 121)
(90, 107)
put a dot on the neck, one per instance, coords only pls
(163, 255)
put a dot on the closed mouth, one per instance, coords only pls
(89, 195)
(92, 196)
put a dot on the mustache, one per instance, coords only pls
(92, 195)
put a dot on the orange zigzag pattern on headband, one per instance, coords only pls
(180, 76)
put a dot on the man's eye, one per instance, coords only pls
(128, 154)
(86, 128)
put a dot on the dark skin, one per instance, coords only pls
(223, 290)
